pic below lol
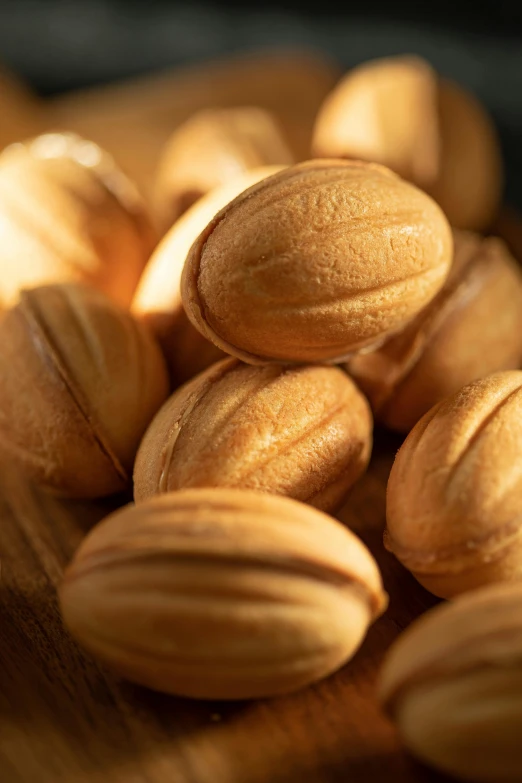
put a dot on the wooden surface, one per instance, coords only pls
(63, 719)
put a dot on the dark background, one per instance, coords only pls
(63, 44)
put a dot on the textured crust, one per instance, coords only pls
(480, 629)
(453, 502)
(158, 297)
(303, 432)
(33, 309)
(222, 594)
(211, 148)
(283, 274)
(446, 347)
(70, 216)
(452, 682)
(45, 431)
(73, 403)
(90, 156)
(236, 523)
(386, 111)
(398, 112)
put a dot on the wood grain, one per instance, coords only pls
(63, 719)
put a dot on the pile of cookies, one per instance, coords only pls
(223, 343)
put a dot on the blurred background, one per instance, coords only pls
(60, 45)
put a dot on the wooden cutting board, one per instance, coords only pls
(64, 719)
